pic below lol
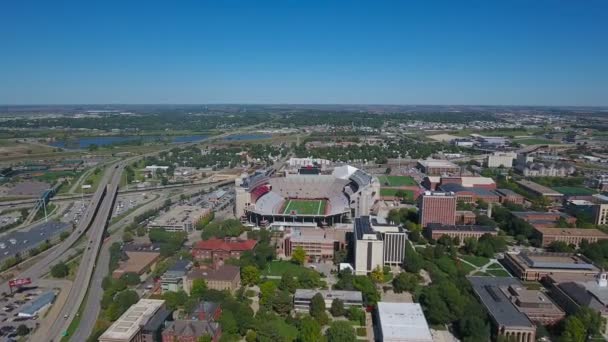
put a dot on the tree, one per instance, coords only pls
(288, 282)
(574, 330)
(228, 323)
(251, 336)
(413, 261)
(22, 330)
(337, 308)
(267, 292)
(377, 275)
(299, 256)
(405, 282)
(199, 287)
(559, 246)
(340, 331)
(355, 314)
(250, 275)
(282, 303)
(61, 270)
(310, 330)
(127, 237)
(130, 278)
(205, 338)
(317, 309)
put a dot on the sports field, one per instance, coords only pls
(573, 190)
(305, 207)
(409, 194)
(396, 180)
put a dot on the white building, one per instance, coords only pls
(181, 218)
(402, 322)
(377, 244)
(128, 327)
(498, 159)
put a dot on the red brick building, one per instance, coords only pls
(190, 331)
(221, 249)
(543, 219)
(437, 207)
(509, 196)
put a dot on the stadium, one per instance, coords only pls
(322, 199)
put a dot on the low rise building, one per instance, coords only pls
(571, 236)
(218, 277)
(470, 194)
(319, 244)
(191, 331)
(206, 311)
(180, 218)
(38, 305)
(401, 322)
(128, 328)
(501, 159)
(172, 280)
(303, 298)
(544, 219)
(470, 182)
(540, 190)
(433, 167)
(509, 196)
(137, 262)
(465, 217)
(536, 266)
(221, 249)
(436, 231)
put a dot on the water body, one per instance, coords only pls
(85, 142)
(242, 137)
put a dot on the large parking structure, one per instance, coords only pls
(305, 207)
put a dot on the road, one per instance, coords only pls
(87, 263)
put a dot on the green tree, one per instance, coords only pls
(413, 261)
(337, 308)
(377, 275)
(298, 256)
(288, 282)
(228, 323)
(310, 330)
(127, 237)
(61, 270)
(199, 287)
(560, 246)
(250, 275)
(130, 278)
(405, 282)
(574, 330)
(317, 309)
(268, 290)
(22, 330)
(205, 338)
(282, 303)
(251, 336)
(340, 331)
(355, 314)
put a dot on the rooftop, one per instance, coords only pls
(222, 273)
(352, 296)
(453, 187)
(129, 323)
(545, 260)
(541, 189)
(403, 322)
(138, 261)
(438, 163)
(38, 303)
(573, 232)
(229, 244)
(363, 229)
(461, 228)
(497, 303)
(508, 192)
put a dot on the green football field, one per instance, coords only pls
(396, 180)
(305, 207)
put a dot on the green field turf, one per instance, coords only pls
(392, 192)
(305, 207)
(396, 180)
(573, 190)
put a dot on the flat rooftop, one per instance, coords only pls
(179, 215)
(591, 232)
(129, 323)
(566, 261)
(351, 296)
(497, 303)
(438, 163)
(461, 228)
(541, 189)
(403, 322)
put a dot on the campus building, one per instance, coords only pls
(541, 190)
(543, 219)
(571, 236)
(221, 249)
(377, 244)
(509, 196)
(470, 194)
(218, 277)
(437, 207)
(180, 218)
(536, 266)
(128, 328)
(501, 159)
(435, 231)
(434, 167)
(401, 322)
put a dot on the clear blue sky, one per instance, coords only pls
(384, 52)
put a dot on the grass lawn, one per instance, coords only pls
(396, 180)
(480, 274)
(466, 267)
(573, 190)
(93, 180)
(532, 285)
(392, 192)
(52, 177)
(498, 273)
(305, 207)
(277, 268)
(536, 141)
(476, 260)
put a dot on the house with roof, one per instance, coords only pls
(187, 330)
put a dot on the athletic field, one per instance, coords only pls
(396, 180)
(305, 207)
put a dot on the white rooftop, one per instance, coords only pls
(471, 181)
(403, 322)
(129, 323)
(344, 172)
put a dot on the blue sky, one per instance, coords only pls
(381, 52)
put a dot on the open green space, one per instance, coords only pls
(277, 268)
(573, 190)
(480, 274)
(396, 180)
(498, 273)
(389, 192)
(536, 141)
(466, 267)
(52, 177)
(305, 207)
(478, 261)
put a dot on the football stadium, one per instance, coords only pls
(323, 199)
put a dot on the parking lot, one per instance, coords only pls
(13, 304)
(20, 242)
(125, 203)
(9, 218)
(74, 212)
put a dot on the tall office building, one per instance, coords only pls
(377, 244)
(437, 207)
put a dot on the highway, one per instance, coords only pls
(81, 283)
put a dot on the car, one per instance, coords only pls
(66, 316)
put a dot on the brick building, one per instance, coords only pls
(437, 207)
(221, 249)
(571, 236)
(435, 231)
